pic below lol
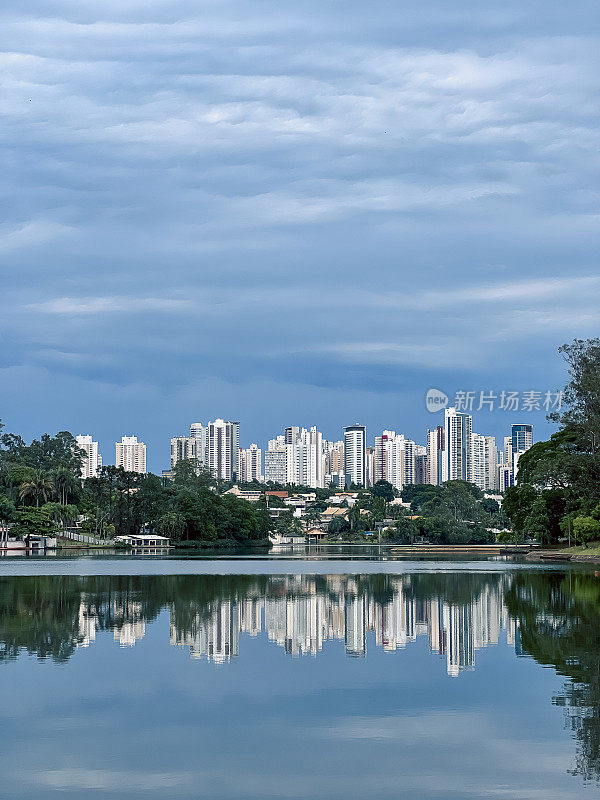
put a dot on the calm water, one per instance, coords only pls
(308, 680)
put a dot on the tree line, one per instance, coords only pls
(557, 494)
(41, 492)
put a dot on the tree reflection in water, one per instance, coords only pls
(552, 616)
(559, 621)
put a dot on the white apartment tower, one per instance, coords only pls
(250, 464)
(491, 456)
(355, 442)
(131, 455)
(222, 449)
(305, 456)
(92, 460)
(458, 445)
(478, 472)
(402, 462)
(198, 432)
(435, 455)
(275, 465)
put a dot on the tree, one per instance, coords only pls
(172, 524)
(490, 505)
(337, 526)
(585, 529)
(65, 484)
(33, 522)
(61, 513)
(385, 490)
(537, 522)
(312, 515)
(39, 488)
(7, 513)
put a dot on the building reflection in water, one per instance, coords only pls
(301, 613)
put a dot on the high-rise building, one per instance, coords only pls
(521, 437)
(381, 457)
(222, 449)
(198, 432)
(306, 454)
(458, 427)
(355, 443)
(504, 476)
(478, 465)
(421, 468)
(291, 434)
(131, 454)
(370, 466)
(491, 468)
(402, 462)
(435, 455)
(334, 452)
(92, 460)
(251, 464)
(275, 466)
(183, 448)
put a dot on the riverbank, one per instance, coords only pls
(590, 554)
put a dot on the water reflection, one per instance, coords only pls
(550, 616)
(458, 614)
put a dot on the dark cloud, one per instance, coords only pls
(326, 200)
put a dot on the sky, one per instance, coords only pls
(291, 213)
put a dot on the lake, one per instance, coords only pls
(288, 678)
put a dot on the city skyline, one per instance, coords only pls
(304, 457)
(298, 616)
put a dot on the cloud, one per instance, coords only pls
(296, 194)
(33, 233)
(71, 306)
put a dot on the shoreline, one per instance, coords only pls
(561, 555)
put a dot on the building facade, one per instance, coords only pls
(131, 455)
(355, 444)
(458, 428)
(222, 449)
(251, 464)
(92, 460)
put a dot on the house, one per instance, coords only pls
(144, 540)
(287, 538)
(315, 534)
(251, 495)
(339, 497)
(398, 501)
(297, 502)
(28, 544)
(331, 512)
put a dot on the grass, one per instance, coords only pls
(592, 549)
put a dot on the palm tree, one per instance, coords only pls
(39, 487)
(65, 484)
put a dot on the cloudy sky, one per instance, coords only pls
(291, 213)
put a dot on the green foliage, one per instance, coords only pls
(489, 505)
(338, 526)
(42, 482)
(385, 490)
(559, 479)
(32, 522)
(585, 529)
(7, 509)
(405, 531)
(61, 513)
